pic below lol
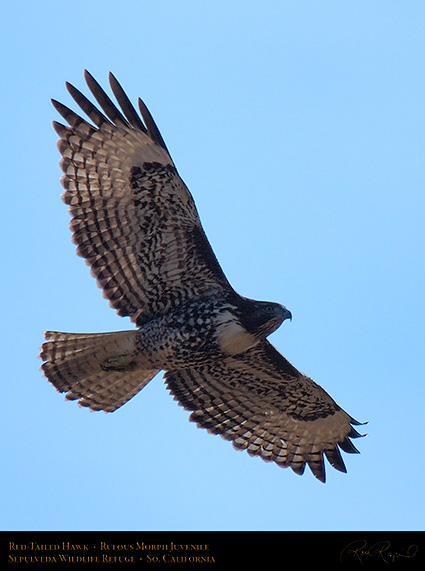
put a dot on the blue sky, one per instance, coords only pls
(299, 128)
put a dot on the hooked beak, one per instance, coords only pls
(286, 314)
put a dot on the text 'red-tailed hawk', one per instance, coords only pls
(135, 223)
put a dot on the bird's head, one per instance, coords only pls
(263, 317)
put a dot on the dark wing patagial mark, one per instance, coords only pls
(205, 253)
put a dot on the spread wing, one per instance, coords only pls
(133, 219)
(264, 405)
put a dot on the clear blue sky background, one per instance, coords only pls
(300, 128)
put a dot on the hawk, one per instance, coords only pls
(136, 225)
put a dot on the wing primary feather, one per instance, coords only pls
(72, 118)
(317, 467)
(151, 126)
(298, 468)
(87, 106)
(126, 105)
(61, 130)
(104, 101)
(348, 446)
(354, 434)
(334, 457)
(356, 422)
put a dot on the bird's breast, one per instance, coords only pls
(231, 336)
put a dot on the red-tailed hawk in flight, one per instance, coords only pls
(135, 223)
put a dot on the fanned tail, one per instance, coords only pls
(102, 370)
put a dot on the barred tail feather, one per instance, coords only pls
(102, 370)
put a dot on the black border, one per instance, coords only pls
(103, 550)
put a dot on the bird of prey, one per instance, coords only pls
(135, 223)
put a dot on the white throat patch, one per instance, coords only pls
(232, 337)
